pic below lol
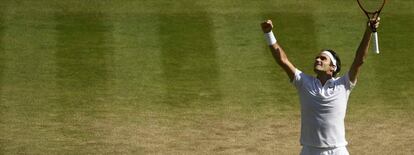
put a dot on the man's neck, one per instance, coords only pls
(323, 78)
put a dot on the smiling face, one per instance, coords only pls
(323, 64)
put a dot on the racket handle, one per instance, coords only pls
(376, 46)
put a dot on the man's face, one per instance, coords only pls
(322, 64)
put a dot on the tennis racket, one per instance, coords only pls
(372, 9)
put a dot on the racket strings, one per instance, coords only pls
(371, 5)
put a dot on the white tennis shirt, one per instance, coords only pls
(323, 110)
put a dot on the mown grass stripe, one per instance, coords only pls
(190, 70)
(3, 142)
(300, 44)
(395, 38)
(83, 58)
(2, 54)
(82, 50)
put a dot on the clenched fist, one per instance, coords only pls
(267, 26)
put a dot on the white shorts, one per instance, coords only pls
(308, 150)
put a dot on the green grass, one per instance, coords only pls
(190, 77)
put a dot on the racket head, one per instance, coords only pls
(371, 6)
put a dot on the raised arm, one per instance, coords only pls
(277, 51)
(362, 51)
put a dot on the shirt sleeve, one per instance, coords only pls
(347, 82)
(298, 79)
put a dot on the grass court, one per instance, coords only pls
(191, 77)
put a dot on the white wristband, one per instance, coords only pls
(270, 38)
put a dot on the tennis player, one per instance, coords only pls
(323, 97)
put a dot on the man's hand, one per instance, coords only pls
(267, 26)
(362, 50)
(277, 51)
(373, 24)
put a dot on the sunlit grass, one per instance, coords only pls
(189, 77)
